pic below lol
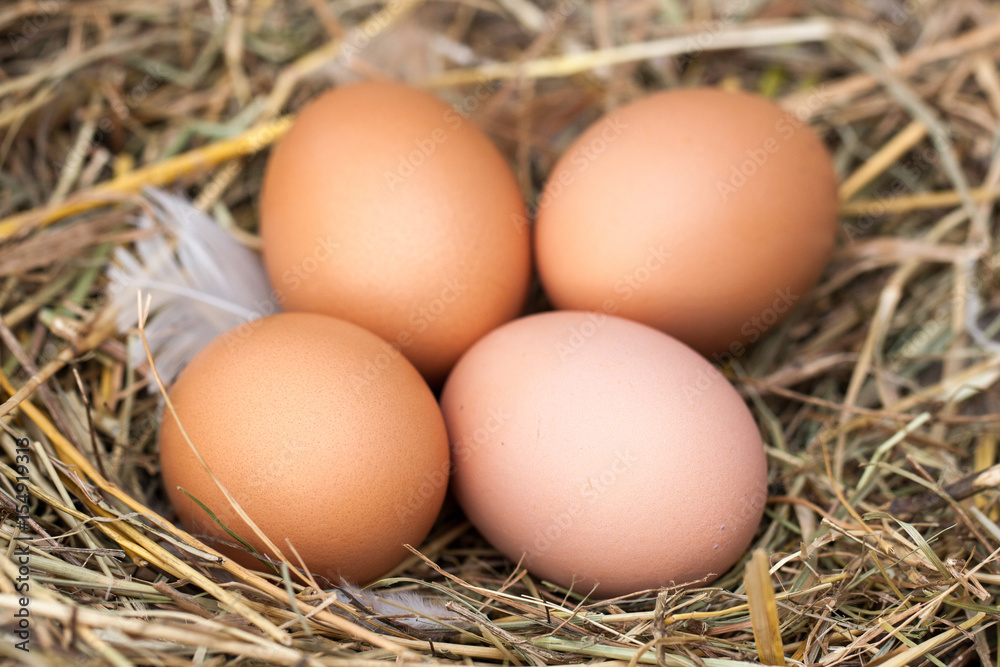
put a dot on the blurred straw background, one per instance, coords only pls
(878, 398)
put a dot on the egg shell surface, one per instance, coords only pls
(386, 207)
(604, 453)
(347, 466)
(705, 213)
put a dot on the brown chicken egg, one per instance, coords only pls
(386, 207)
(346, 466)
(704, 213)
(600, 452)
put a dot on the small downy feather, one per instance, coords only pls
(202, 281)
(421, 613)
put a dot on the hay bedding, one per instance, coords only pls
(877, 399)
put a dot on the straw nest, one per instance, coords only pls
(877, 399)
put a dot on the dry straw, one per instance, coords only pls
(877, 398)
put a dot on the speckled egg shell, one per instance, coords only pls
(346, 465)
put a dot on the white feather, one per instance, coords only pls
(202, 282)
(419, 612)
